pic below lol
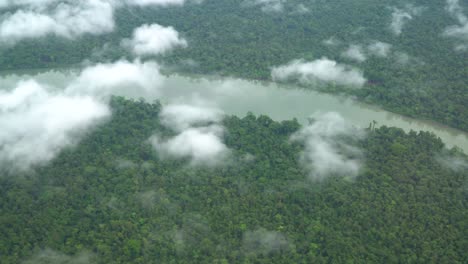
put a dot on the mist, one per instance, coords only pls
(459, 31)
(267, 5)
(400, 17)
(264, 242)
(319, 71)
(327, 148)
(122, 78)
(199, 135)
(153, 40)
(38, 123)
(49, 256)
(67, 19)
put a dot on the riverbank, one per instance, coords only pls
(279, 101)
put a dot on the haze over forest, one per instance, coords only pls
(90, 175)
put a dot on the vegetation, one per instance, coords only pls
(112, 197)
(423, 77)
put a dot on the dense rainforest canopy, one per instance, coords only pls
(88, 175)
(416, 70)
(113, 199)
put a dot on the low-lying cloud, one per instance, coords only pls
(327, 151)
(38, 123)
(122, 78)
(183, 116)
(50, 256)
(355, 52)
(199, 135)
(155, 2)
(264, 242)
(400, 17)
(68, 19)
(319, 71)
(153, 40)
(267, 5)
(459, 31)
(360, 53)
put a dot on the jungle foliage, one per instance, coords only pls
(112, 198)
(423, 77)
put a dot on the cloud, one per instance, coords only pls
(379, 49)
(360, 53)
(264, 242)
(67, 19)
(155, 2)
(267, 5)
(38, 123)
(319, 71)
(153, 40)
(183, 116)
(455, 163)
(402, 16)
(120, 78)
(355, 52)
(49, 256)
(326, 152)
(459, 31)
(199, 135)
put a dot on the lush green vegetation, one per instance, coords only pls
(227, 37)
(112, 197)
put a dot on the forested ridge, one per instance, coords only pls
(423, 76)
(112, 199)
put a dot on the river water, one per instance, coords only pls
(280, 102)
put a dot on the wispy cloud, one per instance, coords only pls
(327, 150)
(459, 31)
(68, 19)
(199, 135)
(153, 40)
(355, 52)
(319, 71)
(119, 78)
(400, 17)
(54, 257)
(267, 5)
(38, 123)
(262, 241)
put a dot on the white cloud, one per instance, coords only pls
(37, 123)
(325, 152)
(267, 5)
(355, 52)
(321, 70)
(454, 163)
(199, 134)
(183, 116)
(120, 78)
(379, 49)
(459, 31)
(50, 256)
(154, 39)
(402, 16)
(262, 241)
(67, 20)
(202, 145)
(155, 2)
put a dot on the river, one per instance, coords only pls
(280, 102)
